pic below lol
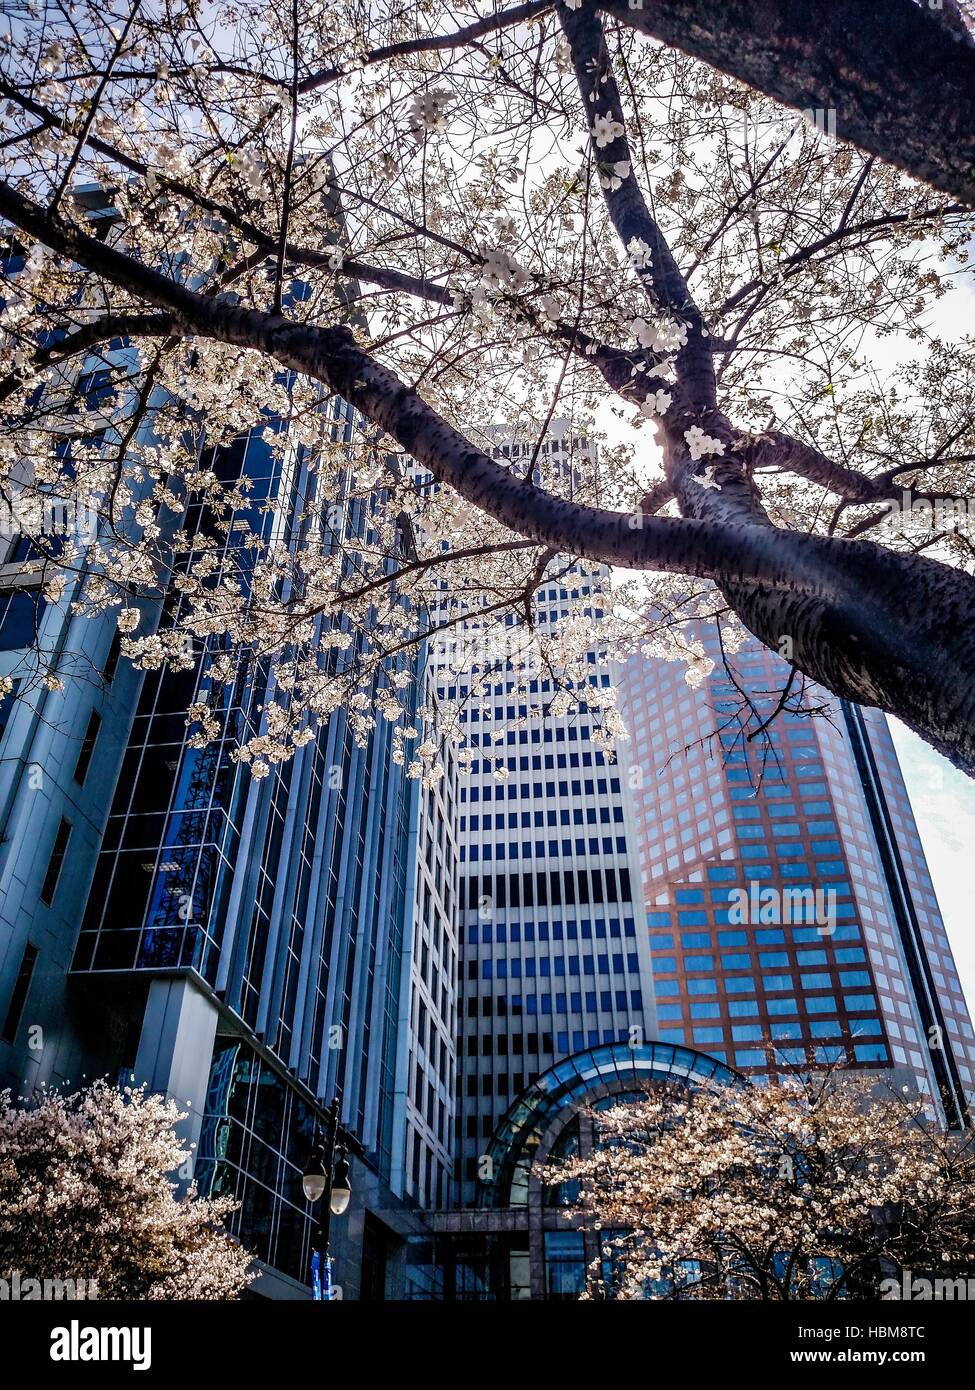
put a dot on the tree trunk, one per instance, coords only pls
(900, 82)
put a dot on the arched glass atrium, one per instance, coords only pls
(594, 1073)
(519, 1242)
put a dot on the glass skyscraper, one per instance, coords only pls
(282, 901)
(789, 909)
(427, 1079)
(244, 945)
(780, 915)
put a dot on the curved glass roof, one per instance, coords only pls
(617, 1065)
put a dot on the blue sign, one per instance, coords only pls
(321, 1290)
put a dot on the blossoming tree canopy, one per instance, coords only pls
(87, 1196)
(795, 1190)
(726, 342)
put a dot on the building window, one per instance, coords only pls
(54, 864)
(7, 707)
(705, 1011)
(565, 1265)
(857, 1002)
(698, 962)
(20, 617)
(821, 1004)
(87, 748)
(112, 659)
(19, 996)
(706, 1036)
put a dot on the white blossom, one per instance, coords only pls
(664, 335)
(723, 1181)
(701, 444)
(428, 112)
(656, 404)
(502, 271)
(605, 129)
(611, 176)
(639, 253)
(86, 1193)
(551, 310)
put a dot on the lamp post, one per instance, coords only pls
(326, 1179)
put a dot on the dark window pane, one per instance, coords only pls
(111, 660)
(19, 996)
(7, 708)
(87, 748)
(20, 617)
(55, 862)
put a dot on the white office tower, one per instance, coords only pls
(427, 1061)
(553, 948)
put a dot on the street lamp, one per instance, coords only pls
(341, 1188)
(326, 1176)
(314, 1181)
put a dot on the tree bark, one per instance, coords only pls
(901, 83)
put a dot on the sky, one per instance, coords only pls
(944, 805)
(942, 797)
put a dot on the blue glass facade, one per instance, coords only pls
(60, 750)
(242, 940)
(267, 889)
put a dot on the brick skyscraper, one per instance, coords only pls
(817, 812)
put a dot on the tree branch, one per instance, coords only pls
(88, 336)
(868, 623)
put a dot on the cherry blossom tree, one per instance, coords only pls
(86, 1195)
(813, 1187)
(455, 215)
